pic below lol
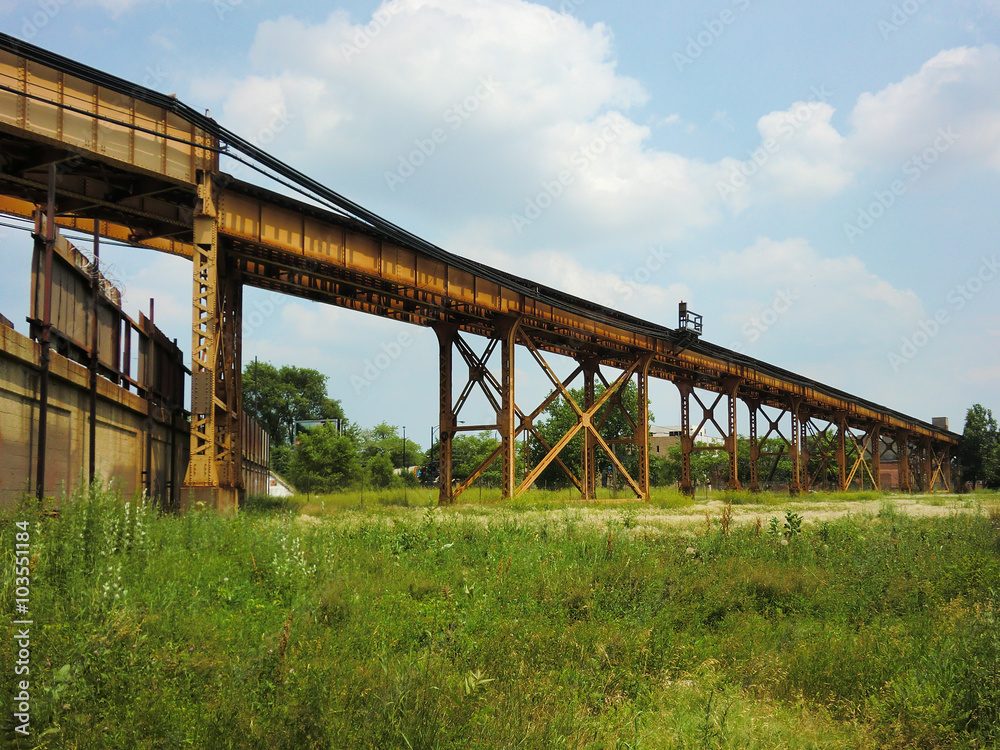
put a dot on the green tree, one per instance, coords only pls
(279, 397)
(324, 461)
(979, 448)
(385, 439)
(381, 472)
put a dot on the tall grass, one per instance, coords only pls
(385, 626)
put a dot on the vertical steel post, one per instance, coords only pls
(804, 455)
(946, 469)
(588, 463)
(927, 466)
(903, 461)
(229, 377)
(754, 406)
(687, 439)
(46, 345)
(732, 388)
(446, 419)
(876, 450)
(506, 331)
(842, 451)
(642, 426)
(795, 486)
(214, 473)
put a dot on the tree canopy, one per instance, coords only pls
(979, 448)
(279, 397)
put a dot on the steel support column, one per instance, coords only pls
(642, 426)
(903, 461)
(687, 440)
(215, 467)
(588, 458)
(506, 331)
(946, 467)
(446, 419)
(754, 447)
(795, 485)
(841, 451)
(927, 466)
(732, 443)
(46, 337)
(805, 478)
(876, 452)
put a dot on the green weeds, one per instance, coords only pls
(529, 625)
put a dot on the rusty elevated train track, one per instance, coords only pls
(108, 157)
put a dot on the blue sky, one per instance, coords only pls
(820, 181)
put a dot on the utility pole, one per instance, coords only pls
(404, 464)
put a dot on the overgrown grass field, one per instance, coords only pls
(491, 626)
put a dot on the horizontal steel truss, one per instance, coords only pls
(512, 422)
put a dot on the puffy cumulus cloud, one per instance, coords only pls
(801, 156)
(503, 116)
(415, 60)
(490, 103)
(958, 90)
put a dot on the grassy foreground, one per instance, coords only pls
(491, 627)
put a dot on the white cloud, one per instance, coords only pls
(508, 103)
(958, 89)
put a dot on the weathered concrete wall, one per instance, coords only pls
(125, 423)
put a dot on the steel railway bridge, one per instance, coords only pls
(83, 150)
